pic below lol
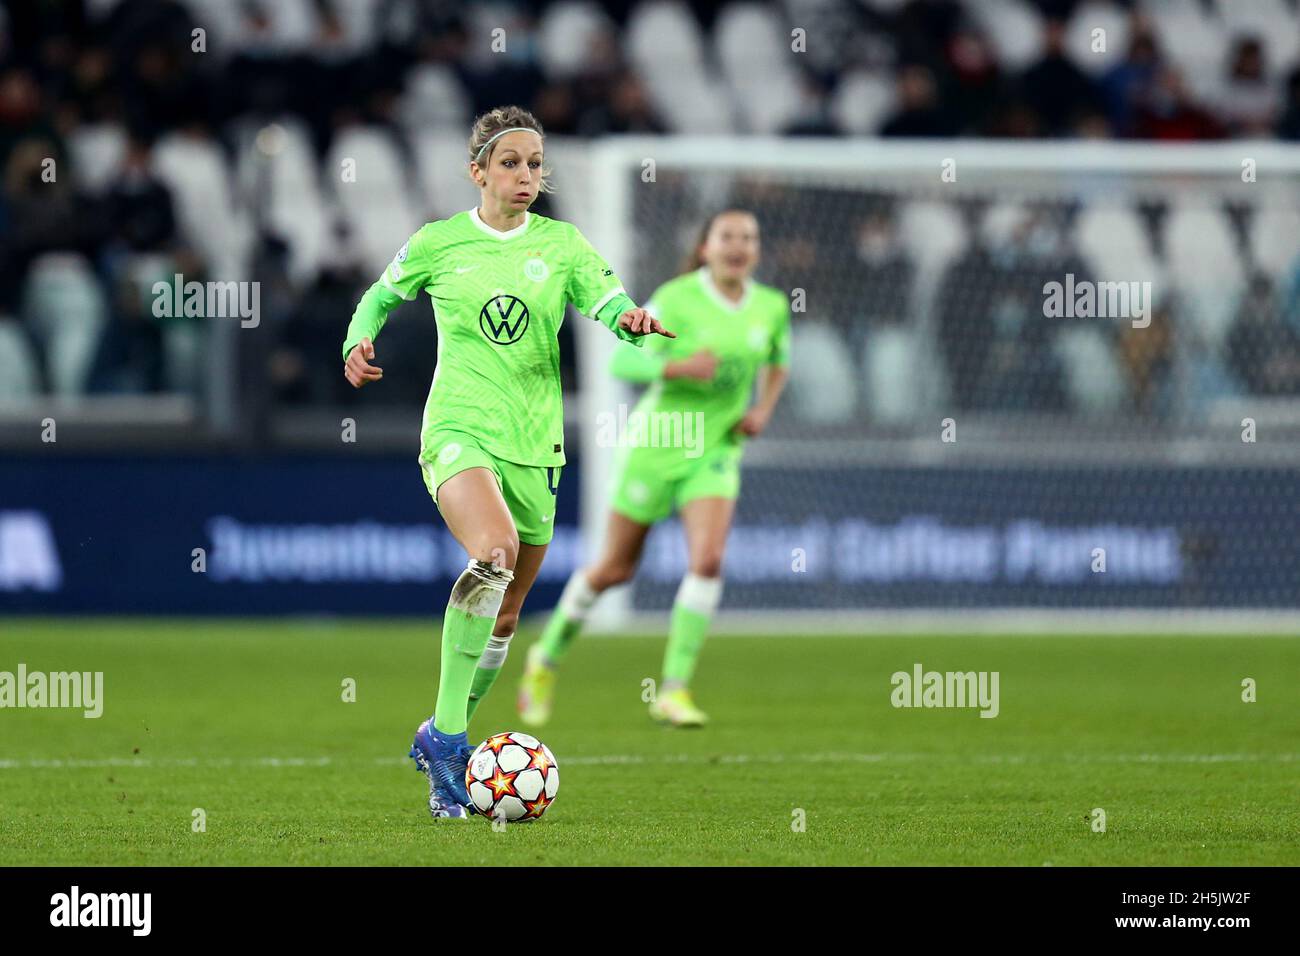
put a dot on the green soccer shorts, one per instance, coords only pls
(529, 491)
(649, 484)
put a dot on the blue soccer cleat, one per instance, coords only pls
(443, 759)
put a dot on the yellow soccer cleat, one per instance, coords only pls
(676, 708)
(536, 690)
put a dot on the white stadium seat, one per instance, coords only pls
(441, 166)
(434, 99)
(822, 387)
(278, 157)
(753, 50)
(1276, 25)
(1014, 30)
(1191, 40)
(1205, 265)
(862, 101)
(1114, 244)
(892, 389)
(1093, 380)
(1275, 240)
(377, 205)
(567, 31)
(196, 172)
(65, 308)
(663, 42)
(96, 151)
(1079, 39)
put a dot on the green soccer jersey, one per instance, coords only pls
(498, 300)
(743, 335)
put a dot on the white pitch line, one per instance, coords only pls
(632, 759)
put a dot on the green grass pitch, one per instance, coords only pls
(245, 720)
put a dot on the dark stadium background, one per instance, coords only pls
(165, 429)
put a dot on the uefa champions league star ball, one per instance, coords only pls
(512, 777)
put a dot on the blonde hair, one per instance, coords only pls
(497, 121)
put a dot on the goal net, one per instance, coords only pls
(1062, 377)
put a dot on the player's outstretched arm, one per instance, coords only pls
(640, 322)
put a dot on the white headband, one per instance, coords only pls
(512, 129)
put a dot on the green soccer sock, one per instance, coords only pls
(471, 614)
(697, 599)
(489, 669)
(567, 618)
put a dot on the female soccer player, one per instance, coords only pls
(492, 442)
(728, 328)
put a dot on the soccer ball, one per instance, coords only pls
(512, 777)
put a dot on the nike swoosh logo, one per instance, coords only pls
(459, 270)
(547, 518)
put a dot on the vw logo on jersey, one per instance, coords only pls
(757, 339)
(503, 319)
(537, 270)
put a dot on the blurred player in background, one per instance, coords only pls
(491, 445)
(730, 331)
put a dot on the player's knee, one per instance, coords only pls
(611, 573)
(707, 563)
(500, 548)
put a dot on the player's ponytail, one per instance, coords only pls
(695, 258)
(495, 123)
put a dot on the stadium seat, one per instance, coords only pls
(195, 170)
(891, 389)
(434, 99)
(1114, 243)
(822, 388)
(1090, 16)
(1272, 22)
(1093, 381)
(360, 20)
(1194, 42)
(862, 101)
(663, 41)
(933, 233)
(753, 51)
(18, 362)
(567, 31)
(64, 307)
(1014, 29)
(96, 151)
(1275, 240)
(277, 176)
(376, 206)
(1204, 263)
(440, 159)
(224, 23)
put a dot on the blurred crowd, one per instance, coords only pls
(126, 127)
(913, 301)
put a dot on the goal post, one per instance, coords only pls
(1058, 378)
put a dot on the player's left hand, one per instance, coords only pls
(753, 423)
(641, 322)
